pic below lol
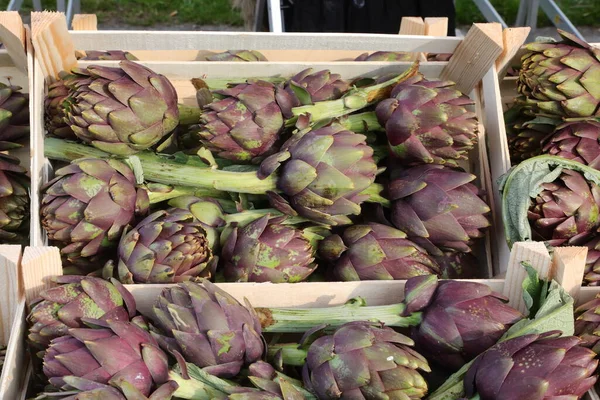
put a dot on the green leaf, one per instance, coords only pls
(533, 288)
(523, 182)
(301, 93)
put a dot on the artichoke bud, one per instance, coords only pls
(331, 248)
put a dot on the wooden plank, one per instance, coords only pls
(38, 267)
(475, 56)
(10, 259)
(14, 378)
(534, 253)
(12, 35)
(165, 40)
(85, 22)
(412, 26)
(568, 266)
(436, 26)
(53, 46)
(513, 39)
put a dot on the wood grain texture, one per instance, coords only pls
(475, 56)
(38, 268)
(436, 26)
(14, 378)
(85, 22)
(412, 26)
(12, 35)
(513, 39)
(568, 266)
(10, 260)
(54, 49)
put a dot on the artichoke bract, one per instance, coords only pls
(385, 56)
(460, 319)
(120, 110)
(565, 211)
(72, 303)
(14, 200)
(272, 385)
(122, 350)
(587, 322)
(533, 367)
(267, 251)
(455, 265)
(525, 134)
(114, 55)
(591, 276)
(88, 205)
(561, 78)
(428, 122)
(321, 174)
(167, 246)
(55, 117)
(208, 327)
(207, 211)
(14, 114)
(238, 55)
(362, 361)
(438, 207)
(375, 252)
(577, 141)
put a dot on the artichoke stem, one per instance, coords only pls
(188, 115)
(291, 353)
(195, 389)
(302, 319)
(161, 169)
(176, 191)
(361, 123)
(245, 217)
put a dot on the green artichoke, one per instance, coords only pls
(208, 328)
(78, 300)
(533, 367)
(385, 56)
(438, 208)
(88, 205)
(267, 251)
(119, 389)
(167, 246)
(14, 114)
(120, 110)
(238, 55)
(113, 55)
(428, 122)
(587, 322)
(561, 78)
(459, 319)
(375, 252)
(577, 141)
(14, 200)
(120, 350)
(363, 361)
(321, 174)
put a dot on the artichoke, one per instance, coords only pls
(14, 114)
(428, 122)
(460, 319)
(14, 200)
(119, 389)
(74, 303)
(533, 367)
(55, 117)
(321, 174)
(88, 205)
(167, 246)
(438, 208)
(458, 265)
(566, 211)
(113, 55)
(122, 350)
(525, 134)
(591, 276)
(385, 56)
(266, 250)
(208, 327)
(237, 55)
(375, 252)
(120, 110)
(562, 78)
(362, 361)
(577, 141)
(272, 385)
(208, 213)
(587, 322)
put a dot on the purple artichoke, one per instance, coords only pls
(591, 277)
(587, 324)
(77, 300)
(88, 205)
(120, 110)
(533, 367)
(14, 114)
(167, 246)
(119, 389)
(375, 252)
(55, 117)
(321, 174)
(208, 327)
(14, 199)
(438, 208)
(576, 141)
(112, 55)
(460, 319)
(266, 250)
(385, 56)
(458, 265)
(237, 55)
(122, 350)
(428, 122)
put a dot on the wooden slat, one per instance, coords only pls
(38, 267)
(412, 26)
(475, 56)
(14, 378)
(534, 253)
(85, 22)
(513, 39)
(10, 258)
(53, 46)
(436, 26)
(12, 35)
